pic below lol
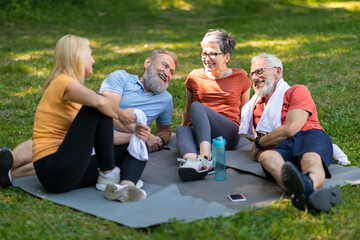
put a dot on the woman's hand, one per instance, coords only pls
(143, 132)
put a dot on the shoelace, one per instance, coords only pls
(204, 162)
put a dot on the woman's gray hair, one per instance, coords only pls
(271, 59)
(223, 38)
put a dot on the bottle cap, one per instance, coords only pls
(219, 142)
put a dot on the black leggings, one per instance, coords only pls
(72, 165)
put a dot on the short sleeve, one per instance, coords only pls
(61, 83)
(188, 83)
(164, 117)
(247, 82)
(115, 82)
(299, 97)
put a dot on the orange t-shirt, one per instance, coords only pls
(222, 95)
(53, 118)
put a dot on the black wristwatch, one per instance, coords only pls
(257, 142)
(162, 140)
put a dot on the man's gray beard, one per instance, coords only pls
(152, 82)
(269, 87)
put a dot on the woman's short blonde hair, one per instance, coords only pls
(69, 58)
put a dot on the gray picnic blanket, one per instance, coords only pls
(161, 206)
(169, 197)
(243, 176)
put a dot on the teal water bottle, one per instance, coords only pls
(218, 156)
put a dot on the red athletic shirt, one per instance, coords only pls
(296, 97)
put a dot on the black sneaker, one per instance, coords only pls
(298, 184)
(323, 199)
(6, 162)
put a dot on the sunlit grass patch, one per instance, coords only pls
(349, 5)
(31, 90)
(179, 4)
(319, 47)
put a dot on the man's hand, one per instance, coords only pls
(255, 152)
(143, 132)
(154, 143)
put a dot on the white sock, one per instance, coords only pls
(338, 153)
(109, 174)
(340, 156)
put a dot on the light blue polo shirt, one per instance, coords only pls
(132, 92)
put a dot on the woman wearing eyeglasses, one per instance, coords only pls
(215, 96)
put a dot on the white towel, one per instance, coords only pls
(137, 147)
(270, 118)
(246, 126)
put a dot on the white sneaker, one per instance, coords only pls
(124, 193)
(190, 170)
(103, 181)
(208, 164)
(139, 184)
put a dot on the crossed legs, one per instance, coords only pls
(207, 124)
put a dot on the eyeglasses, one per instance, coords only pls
(210, 55)
(259, 71)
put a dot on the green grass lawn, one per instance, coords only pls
(318, 42)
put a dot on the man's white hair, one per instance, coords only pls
(271, 59)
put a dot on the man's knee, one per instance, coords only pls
(311, 158)
(270, 159)
(267, 156)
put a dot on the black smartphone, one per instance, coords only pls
(236, 197)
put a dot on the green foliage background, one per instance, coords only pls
(318, 42)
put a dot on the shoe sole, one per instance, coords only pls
(126, 194)
(291, 179)
(6, 162)
(100, 186)
(324, 199)
(211, 171)
(190, 174)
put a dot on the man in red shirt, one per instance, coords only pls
(298, 151)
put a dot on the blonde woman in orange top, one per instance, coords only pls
(71, 120)
(215, 96)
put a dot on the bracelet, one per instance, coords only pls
(257, 142)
